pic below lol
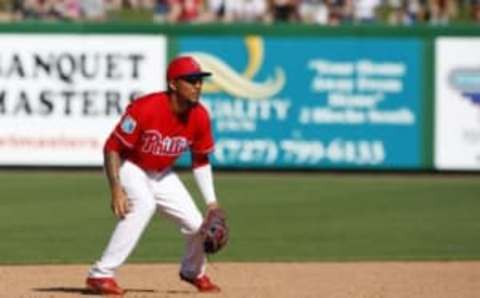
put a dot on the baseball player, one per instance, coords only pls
(138, 157)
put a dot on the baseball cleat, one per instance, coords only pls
(203, 283)
(104, 286)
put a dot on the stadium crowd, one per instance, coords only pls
(322, 12)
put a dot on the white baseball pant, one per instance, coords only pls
(149, 192)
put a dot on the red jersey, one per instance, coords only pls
(152, 136)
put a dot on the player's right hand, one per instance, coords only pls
(120, 204)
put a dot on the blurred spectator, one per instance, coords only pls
(399, 15)
(364, 11)
(314, 11)
(40, 9)
(441, 11)
(185, 11)
(93, 10)
(30, 9)
(4, 15)
(284, 11)
(340, 11)
(406, 12)
(51, 10)
(160, 11)
(63, 10)
(417, 10)
(113, 5)
(215, 10)
(242, 10)
(17, 10)
(475, 11)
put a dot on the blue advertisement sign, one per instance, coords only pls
(281, 102)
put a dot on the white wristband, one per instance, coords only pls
(204, 178)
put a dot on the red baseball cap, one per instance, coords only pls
(185, 66)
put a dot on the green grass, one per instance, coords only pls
(64, 217)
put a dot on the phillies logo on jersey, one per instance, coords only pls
(153, 142)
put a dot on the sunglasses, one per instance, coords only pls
(193, 79)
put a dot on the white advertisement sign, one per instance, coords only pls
(457, 104)
(60, 95)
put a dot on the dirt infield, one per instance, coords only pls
(326, 280)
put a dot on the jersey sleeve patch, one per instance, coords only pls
(128, 125)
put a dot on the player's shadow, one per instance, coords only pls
(85, 291)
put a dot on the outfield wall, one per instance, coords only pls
(286, 96)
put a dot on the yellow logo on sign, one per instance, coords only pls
(228, 80)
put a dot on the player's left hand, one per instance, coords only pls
(120, 204)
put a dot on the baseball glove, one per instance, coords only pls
(215, 231)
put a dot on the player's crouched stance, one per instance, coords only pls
(154, 131)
